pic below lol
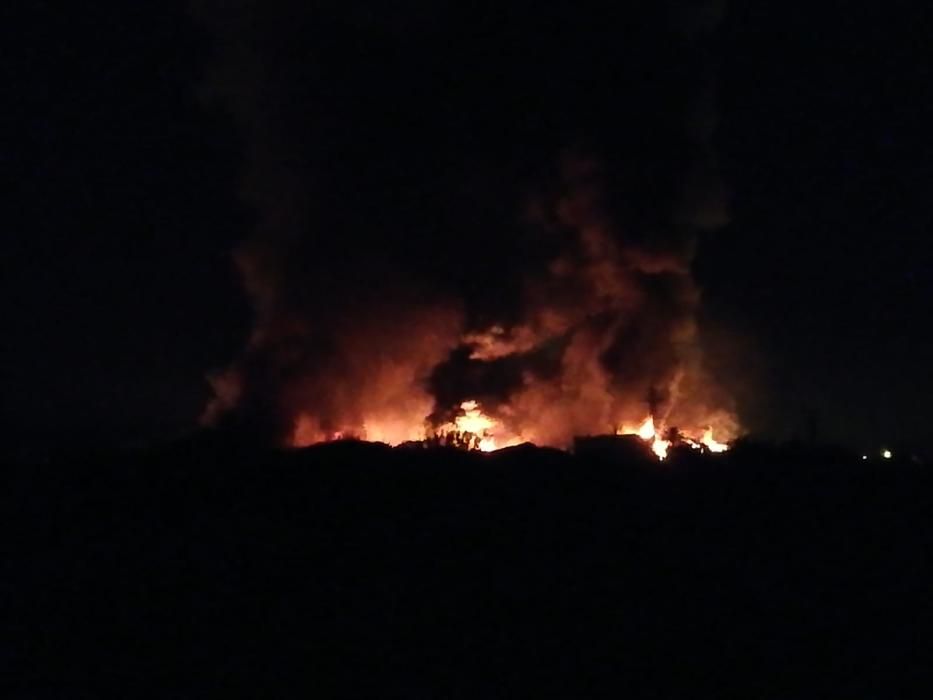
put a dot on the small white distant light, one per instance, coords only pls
(864, 456)
(886, 454)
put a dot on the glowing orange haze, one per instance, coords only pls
(477, 430)
(602, 339)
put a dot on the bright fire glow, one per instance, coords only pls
(472, 428)
(487, 432)
(473, 419)
(659, 447)
(711, 443)
(646, 431)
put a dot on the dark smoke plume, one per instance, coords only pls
(498, 202)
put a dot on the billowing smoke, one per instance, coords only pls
(496, 203)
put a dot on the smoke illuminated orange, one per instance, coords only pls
(602, 330)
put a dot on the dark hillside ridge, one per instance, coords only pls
(209, 569)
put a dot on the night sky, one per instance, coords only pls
(124, 199)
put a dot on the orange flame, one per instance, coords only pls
(475, 429)
(490, 435)
(647, 432)
(711, 444)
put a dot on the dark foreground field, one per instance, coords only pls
(204, 570)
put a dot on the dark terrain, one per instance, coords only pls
(210, 569)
